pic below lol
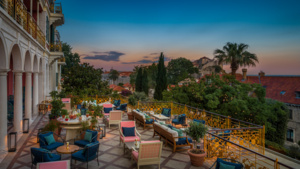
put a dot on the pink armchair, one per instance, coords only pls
(149, 153)
(124, 139)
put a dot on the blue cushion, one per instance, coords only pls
(42, 137)
(176, 121)
(86, 146)
(225, 166)
(81, 143)
(94, 135)
(166, 112)
(182, 141)
(107, 110)
(81, 157)
(88, 136)
(78, 106)
(41, 155)
(149, 121)
(199, 121)
(128, 131)
(50, 139)
(52, 146)
(219, 160)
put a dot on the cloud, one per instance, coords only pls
(106, 56)
(144, 61)
(146, 57)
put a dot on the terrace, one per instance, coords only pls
(245, 143)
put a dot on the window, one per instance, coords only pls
(297, 94)
(290, 135)
(290, 114)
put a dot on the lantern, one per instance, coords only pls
(37, 136)
(12, 141)
(103, 128)
(25, 125)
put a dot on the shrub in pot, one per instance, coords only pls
(64, 112)
(196, 131)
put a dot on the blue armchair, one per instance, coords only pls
(199, 121)
(227, 162)
(117, 103)
(83, 111)
(84, 142)
(180, 120)
(52, 146)
(89, 153)
(122, 107)
(166, 112)
(79, 106)
(39, 155)
(107, 110)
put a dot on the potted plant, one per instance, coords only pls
(67, 118)
(53, 126)
(85, 125)
(57, 105)
(197, 131)
(87, 113)
(98, 111)
(64, 112)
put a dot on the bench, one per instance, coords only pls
(141, 119)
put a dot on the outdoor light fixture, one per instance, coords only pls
(12, 141)
(25, 125)
(103, 128)
(37, 136)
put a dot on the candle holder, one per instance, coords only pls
(136, 144)
(68, 146)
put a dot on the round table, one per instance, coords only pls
(63, 149)
(72, 127)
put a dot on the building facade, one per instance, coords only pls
(205, 66)
(30, 60)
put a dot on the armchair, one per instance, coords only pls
(166, 112)
(122, 107)
(39, 155)
(128, 124)
(89, 153)
(117, 103)
(227, 162)
(180, 120)
(53, 144)
(115, 117)
(83, 142)
(149, 153)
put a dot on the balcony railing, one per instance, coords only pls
(18, 11)
(62, 59)
(56, 47)
(55, 7)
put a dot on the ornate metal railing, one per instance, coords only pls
(56, 47)
(18, 11)
(56, 7)
(217, 146)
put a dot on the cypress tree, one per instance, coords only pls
(145, 82)
(139, 81)
(161, 79)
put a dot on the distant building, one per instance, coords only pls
(205, 66)
(124, 77)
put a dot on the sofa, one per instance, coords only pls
(171, 137)
(141, 119)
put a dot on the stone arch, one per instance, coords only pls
(27, 62)
(3, 53)
(35, 64)
(16, 58)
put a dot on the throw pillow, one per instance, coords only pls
(128, 131)
(48, 152)
(225, 166)
(50, 139)
(165, 112)
(88, 136)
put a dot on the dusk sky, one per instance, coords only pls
(122, 33)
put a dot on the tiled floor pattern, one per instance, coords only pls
(111, 155)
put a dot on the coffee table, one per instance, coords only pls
(63, 149)
(130, 145)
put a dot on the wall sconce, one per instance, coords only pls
(12, 141)
(25, 125)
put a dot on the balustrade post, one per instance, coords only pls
(263, 139)
(228, 122)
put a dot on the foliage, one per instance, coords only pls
(229, 97)
(115, 95)
(113, 75)
(152, 74)
(70, 58)
(197, 131)
(84, 79)
(98, 111)
(126, 92)
(85, 125)
(161, 79)
(145, 83)
(294, 151)
(236, 55)
(180, 69)
(139, 81)
(121, 84)
(64, 112)
(57, 105)
(137, 96)
(51, 126)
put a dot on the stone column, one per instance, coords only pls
(3, 110)
(18, 108)
(35, 93)
(28, 99)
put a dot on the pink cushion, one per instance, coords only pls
(152, 141)
(107, 105)
(135, 155)
(107, 119)
(130, 138)
(56, 165)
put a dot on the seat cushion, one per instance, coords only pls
(81, 143)
(175, 121)
(130, 138)
(128, 131)
(225, 166)
(237, 166)
(149, 121)
(53, 146)
(55, 157)
(135, 155)
(199, 121)
(80, 157)
(182, 141)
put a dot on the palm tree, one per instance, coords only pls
(113, 75)
(235, 54)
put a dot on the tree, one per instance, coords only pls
(113, 75)
(139, 81)
(145, 82)
(70, 58)
(161, 79)
(236, 55)
(152, 73)
(180, 69)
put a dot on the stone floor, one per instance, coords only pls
(111, 155)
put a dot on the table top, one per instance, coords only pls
(55, 164)
(129, 145)
(63, 149)
(71, 121)
(160, 117)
